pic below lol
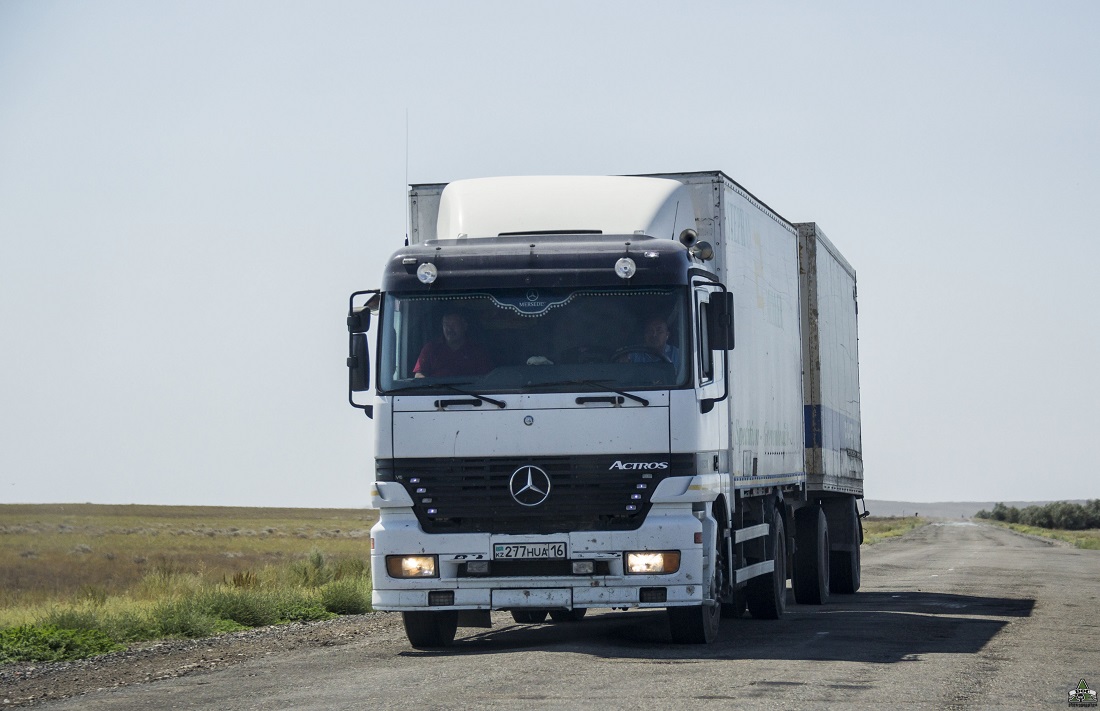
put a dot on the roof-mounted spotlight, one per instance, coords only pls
(427, 273)
(626, 267)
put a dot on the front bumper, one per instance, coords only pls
(665, 528)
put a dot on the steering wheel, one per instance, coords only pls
(583, 354)
(627, 350)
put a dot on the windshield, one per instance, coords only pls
(530, 340)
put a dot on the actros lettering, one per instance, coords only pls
(619, 464)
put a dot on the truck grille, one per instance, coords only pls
(587, 493)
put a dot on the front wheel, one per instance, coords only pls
(698, 624)
(573, 615)
(529, 617)
(429, 630)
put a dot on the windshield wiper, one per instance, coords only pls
(447, 386)
(423, 385)
(602, 385)
(597, 384)
(499, 403)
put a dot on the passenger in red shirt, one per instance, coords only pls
(454, 354)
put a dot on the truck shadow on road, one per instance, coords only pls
(882, 627)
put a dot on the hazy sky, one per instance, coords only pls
(190, 190)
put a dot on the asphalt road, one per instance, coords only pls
(950, 616)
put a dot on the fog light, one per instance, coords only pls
(478, 567)
(652, 562)
(441, 597)
(583, 567)
(411, 566)
(653, 595)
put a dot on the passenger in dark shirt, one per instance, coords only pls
(454, 354)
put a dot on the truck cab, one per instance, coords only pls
(552, 404)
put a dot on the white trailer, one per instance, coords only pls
(633, 427)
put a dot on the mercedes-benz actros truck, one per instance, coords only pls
(608, 392)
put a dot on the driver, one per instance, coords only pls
(657, 348)
(454, 354)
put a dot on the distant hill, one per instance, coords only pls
(943, 509)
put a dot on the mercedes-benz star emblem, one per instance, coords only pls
(530, 486)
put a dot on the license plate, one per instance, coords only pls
(513, 551)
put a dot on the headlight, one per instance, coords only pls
(652, 562)
(411, 566)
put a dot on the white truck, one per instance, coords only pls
(609, 392)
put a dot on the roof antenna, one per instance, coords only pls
(405, 197)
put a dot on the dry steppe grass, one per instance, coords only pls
(74, 553)
(879, 528)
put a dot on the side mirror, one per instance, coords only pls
(359, 320)
(358, 363)
(358, 350)
(720, 321)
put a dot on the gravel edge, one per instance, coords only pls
(30, 683)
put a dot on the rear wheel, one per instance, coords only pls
(844, 568)
(573, 615)
(767, 594)
(811, 556)
(844, 565)
(529, 617)
(428, 630)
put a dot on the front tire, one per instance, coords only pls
(698, 624)
(430, 630)
(529, 617)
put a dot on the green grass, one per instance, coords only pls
(1088, 539)
(879, 528)
(85, 579)
(44, 643)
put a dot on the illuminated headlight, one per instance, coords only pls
(411, 566)
(427, 273)
(625, 267)
(652, 562)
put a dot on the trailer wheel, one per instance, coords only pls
(428, 630)
(529, 617)
(844, 565)
(767, 594)
(573, 615)
(812, 560)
